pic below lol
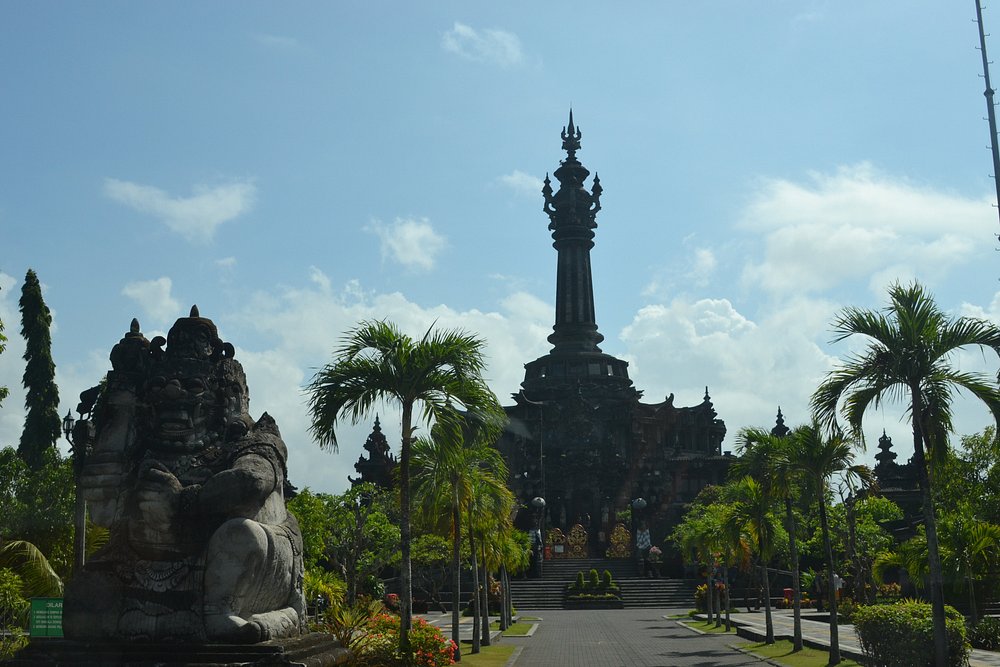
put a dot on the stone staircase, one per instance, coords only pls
(637, 592)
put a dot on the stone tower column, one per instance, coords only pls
(572, 214)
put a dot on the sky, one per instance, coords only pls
(296, 168)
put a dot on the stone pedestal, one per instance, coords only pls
(310, 650)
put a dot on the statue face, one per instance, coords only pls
(185, 406)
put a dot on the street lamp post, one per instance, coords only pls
(638, 505)
(80, 505)
(539, 504)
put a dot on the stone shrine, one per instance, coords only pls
(579, 435)
(203, 564)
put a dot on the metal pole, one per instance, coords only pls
(991, 115)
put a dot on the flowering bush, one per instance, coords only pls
(654, 554)
(391, 602)
(381, 644)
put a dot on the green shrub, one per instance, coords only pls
(595, 579)
(580, 581)
(986, 634)
(902, 635)
(607, 581)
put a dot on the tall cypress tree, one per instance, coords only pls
(42, 424)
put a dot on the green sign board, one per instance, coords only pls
(46, 617)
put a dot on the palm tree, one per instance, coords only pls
(445, 471)
(492, 510)
(819, 460)
(430, 379)
(30, 564)
(765, 456)
(750, 512)
(908, 358)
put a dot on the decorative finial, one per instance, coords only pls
(571, 136)
(194, 312)
(134, 327)
(706, 393)
(780, 429)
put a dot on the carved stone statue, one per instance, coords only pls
(201, 546)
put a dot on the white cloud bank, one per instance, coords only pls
(752, 354)
(196, 217)
(411, 242)
(497, 47)
(859, 224)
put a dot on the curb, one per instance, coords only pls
(513, 657)
(748, 631)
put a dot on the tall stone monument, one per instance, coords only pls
(579, 435)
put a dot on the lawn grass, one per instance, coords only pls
(495, 655)
(518, 629)
(781, 652)
(528, 618)
(707, 626)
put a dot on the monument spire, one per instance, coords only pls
(572, 212)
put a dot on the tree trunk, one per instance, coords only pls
(709, 596)
(972, 600)
(725, 583)
(930, 526)
(405, 573)
(796, 587)
(486, 599)
(832, 593)
(475, 588)
(504, 599)
(456, 573)
(768, 621)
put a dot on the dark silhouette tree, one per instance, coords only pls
(41, 424)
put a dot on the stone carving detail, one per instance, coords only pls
(201, 546)
(577, 541)
(621, 542)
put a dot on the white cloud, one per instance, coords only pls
(522, 183)
(491, 45)
(750, 367)
(411, 242)
(306, 323)
(858, 223)
(196, 217)
(154, 297)
(695, 270)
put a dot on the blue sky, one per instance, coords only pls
(294, 168)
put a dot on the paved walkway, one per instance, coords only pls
(645, 638)
(622, 638)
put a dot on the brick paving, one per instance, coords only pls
(622, 638)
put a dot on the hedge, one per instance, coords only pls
(902, 635)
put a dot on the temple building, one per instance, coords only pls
(579, 436)
(380, 465)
